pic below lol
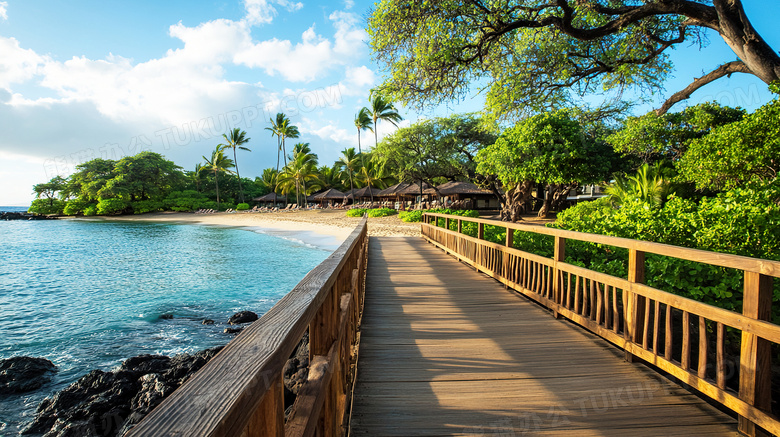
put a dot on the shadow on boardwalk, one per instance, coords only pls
(447, 351)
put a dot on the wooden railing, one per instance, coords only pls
(240, 392)
(673, 333)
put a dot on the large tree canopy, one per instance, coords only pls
(735, 154)
(440, 148)
(654, 137)
(531, 55)
(551, 148)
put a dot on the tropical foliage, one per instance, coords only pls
(535, 55)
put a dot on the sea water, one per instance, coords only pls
(90, 294)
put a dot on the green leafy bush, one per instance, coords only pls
(743, 221)
(410, 216)
(356, 212)
(144, 206)
(45, 206)
(416, 215)
(111, 206)
(90, 210)
(76, 206)
(242, 207)
(381, 212)
(188, 200)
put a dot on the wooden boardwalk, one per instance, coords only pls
(448, 351)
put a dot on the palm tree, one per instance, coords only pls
(329, 177)
(363, 121)
(280, 120)
(302, 168)
(348, 163)
(648, 185)
(197, 175)
(218, 163)
(373, 175)
(236, 141)
(303, 148)
(381, 109)
(268, 179)
(282, 128)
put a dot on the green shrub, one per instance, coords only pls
(111, 206)
(76, 206)
(381, 212)
(743, 221)
(45, 206)
(90, 210)
(357, 212)
(242, 207)
(410, 216)
(416, 215)
(144, 206)
(188, 200)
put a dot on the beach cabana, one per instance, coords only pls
(366, 193)
(463, 194)
(330, 195)
(272, 198)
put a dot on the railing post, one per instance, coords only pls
(755, 364)
(510, 237)
(268, 420)
(481, 231)
(447, 223)
(460, 226)
(633, 305)
(559, 255)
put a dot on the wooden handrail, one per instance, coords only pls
(648, 324)
(240, 393)
(745, 263)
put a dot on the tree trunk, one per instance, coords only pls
(240, 188)
(216, 180)
(515, 198)
(544, 211)
(747, 44)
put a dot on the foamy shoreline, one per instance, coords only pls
(314, 227)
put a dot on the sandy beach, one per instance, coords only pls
(327, 223)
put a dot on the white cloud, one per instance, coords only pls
(263, 12)
(4, 10)
(301, 62)
(350, 38)
(349, 4)
(17, 65)
(311, 58)
(329, 131)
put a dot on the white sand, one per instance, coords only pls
(322, 228)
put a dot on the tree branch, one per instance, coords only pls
(724, 70)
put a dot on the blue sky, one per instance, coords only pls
(109, 78)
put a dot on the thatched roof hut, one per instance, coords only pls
(330, 194)
(413, 190)
(392, 191)
(458, 189)
(270, 198)
(365, 193)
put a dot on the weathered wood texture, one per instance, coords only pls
(446, 351)
(239, 392)
(677, 337)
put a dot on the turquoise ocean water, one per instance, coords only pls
(90, 294)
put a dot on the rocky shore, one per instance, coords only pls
(110, 403)
(23, 216)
